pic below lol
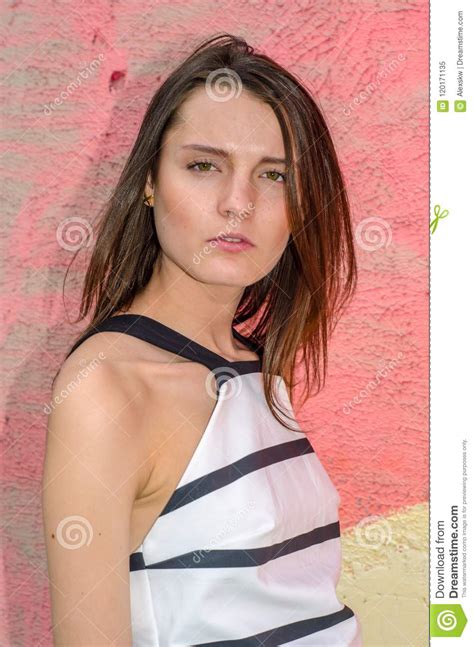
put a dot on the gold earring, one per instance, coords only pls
(148, 200)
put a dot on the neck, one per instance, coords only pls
(201, 311)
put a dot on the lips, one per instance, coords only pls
(240, 237)
(222, 244)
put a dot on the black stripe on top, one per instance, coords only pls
(229, 473)
(241, 558)
(157, 333)
(286, 633)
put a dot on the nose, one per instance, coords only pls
(237, 197)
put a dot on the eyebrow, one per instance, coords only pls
(212, 150)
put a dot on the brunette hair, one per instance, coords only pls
(297, 304)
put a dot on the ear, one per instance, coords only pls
(149, 193)
(149, 189)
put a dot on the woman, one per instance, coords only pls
(183, 504)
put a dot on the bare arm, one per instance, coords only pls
(93, 471)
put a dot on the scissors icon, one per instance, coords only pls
(438, 215)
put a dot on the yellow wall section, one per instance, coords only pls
(384, 577)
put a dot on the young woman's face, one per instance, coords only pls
(200, 194)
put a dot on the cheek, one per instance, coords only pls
(276, 229)
(282, 236)
(274, 253)
(174, 229)
(176, 216)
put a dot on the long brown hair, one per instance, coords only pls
(295, 307)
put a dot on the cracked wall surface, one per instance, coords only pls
(77, 78)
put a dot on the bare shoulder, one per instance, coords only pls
(93, 383)
(141, 387)
(119, 364)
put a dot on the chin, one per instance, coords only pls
(226, 276)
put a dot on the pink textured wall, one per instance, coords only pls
(65, 137)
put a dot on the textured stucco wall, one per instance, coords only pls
(63, 147)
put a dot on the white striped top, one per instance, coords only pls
(247, 550)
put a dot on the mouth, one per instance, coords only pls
(234, 243)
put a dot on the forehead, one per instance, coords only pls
(242, 123)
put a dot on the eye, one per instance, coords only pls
(282, 175)
(200, 163)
